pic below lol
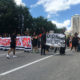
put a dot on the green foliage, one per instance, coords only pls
(7, 15)
(13, 17)
(61, 30)
(41, 23)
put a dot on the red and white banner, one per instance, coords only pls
(22, 42)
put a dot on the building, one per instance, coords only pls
(75, 23)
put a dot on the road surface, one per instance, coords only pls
(33, 66)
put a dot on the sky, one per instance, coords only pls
(58, 12)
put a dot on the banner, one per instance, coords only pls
(55, 40)
(22, 42)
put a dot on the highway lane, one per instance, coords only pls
(52, 67)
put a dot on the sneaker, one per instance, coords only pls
(8, 56)
(14, 56)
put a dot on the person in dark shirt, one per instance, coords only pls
(67, 41)
(12, 45)
(75, 41)
(43, 43)
(34, 42)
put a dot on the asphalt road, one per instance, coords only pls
(33, 66)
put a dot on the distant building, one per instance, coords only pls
(75, 24)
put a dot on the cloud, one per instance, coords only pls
(54, 6)
(66, 24)
(19, 2)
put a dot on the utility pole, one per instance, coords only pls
(22, 24)
(21, 20)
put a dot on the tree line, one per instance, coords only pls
(14, 17)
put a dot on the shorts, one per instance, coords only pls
(12, 45)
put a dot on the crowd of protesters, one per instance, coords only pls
(39, 43)
(73, 42)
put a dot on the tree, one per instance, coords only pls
(24, 18)
(14, 17)
(61, 30)
(42, 23)
(8, 20)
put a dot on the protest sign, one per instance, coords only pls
(55, 40)
(22, 42)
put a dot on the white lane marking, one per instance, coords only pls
(26, 65)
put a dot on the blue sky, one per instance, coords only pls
(57, 11)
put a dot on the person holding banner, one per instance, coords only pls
(63, 45)
(34, 42)
(12, 45)
(43, 43)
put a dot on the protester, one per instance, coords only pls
(67, 41)
(43, 43)
(47, 46)
(39, 42)
(75, 40)
(34, 42)
(78, 49)
(63, 47)
(12, 45)
(62, 50)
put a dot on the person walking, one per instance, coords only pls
(43, 43)
(12, 45)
